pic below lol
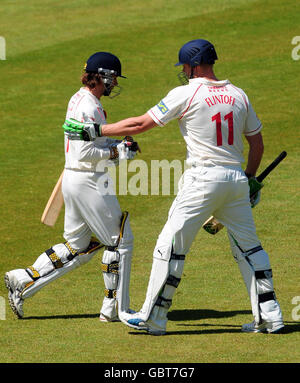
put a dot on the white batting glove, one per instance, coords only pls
(119, 152)
(123, 150)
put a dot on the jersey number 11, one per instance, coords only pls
(229, 118)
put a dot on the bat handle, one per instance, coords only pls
(273, 165)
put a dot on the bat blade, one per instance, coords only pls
(54, 204)
(212, 225)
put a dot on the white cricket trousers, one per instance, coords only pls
(221, 191)
(91, 206)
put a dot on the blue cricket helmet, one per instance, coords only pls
(197, 52)
(103, 60)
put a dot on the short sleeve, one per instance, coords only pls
(252, 125)
(169, 107)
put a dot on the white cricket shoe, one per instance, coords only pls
(269, 327)
(105, 319)
(153, 328)
(14, 294)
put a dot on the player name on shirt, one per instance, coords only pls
(220, 99)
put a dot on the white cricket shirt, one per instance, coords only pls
(85, 155)
(212, 116)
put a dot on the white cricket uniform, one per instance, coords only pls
(213, 116)
(93, 211)
(91, 207)
(83, 155)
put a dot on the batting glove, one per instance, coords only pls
(120, 151)
(77, 130)
(124, 150)
(254, 191)
(254, 199)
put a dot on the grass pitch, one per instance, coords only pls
(47, 43)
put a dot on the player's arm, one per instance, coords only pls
(129, 126)
(256, 150)
(86, 150)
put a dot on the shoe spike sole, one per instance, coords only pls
(11, 302)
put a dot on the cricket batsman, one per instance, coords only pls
(213, 117)
(91, 206)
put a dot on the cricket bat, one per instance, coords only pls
(54, 204)
(212, 225)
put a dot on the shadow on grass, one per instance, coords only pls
(67, 316)
(186, 315)
(290, 327)
(175, 315)
(194, 332)
(189, 315)
(180, 315)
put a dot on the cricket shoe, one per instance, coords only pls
(14, 294)
(265, 327)
(105, 318)
(153, 328)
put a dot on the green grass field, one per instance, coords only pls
(47, 43)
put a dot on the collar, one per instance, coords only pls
(205, 81)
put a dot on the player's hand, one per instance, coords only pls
(128, 139)
(254, 191)
(124, 150)
(254, 199)
(120, 151)
(132, 145)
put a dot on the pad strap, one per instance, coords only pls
(263, 274)
(111, 248)
(93, 246)
(112, 294)
(110, 267)
(247, 253)
(252, 251)
(163, 302)
(178, 257)
(270, 296)
(72, 251)
(173, 281)
(33, 273)
(57, 263)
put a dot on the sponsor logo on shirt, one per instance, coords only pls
(162, 107)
